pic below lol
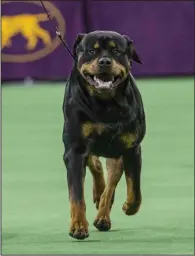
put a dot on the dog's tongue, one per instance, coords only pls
(102, 84)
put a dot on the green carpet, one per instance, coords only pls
(35, 197)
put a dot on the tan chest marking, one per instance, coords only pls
(88, 128)
(128, 139)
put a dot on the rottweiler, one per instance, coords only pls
(103, 117)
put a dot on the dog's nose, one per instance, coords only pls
(105, 62)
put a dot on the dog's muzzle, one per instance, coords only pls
(103, 81)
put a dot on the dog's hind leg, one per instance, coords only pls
(115, 169)
(96, 170)
(32, 39)
(132, 165)
(43, 35)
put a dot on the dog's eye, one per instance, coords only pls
(91, 52)
(116, 51)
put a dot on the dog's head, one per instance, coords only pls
(104, 59)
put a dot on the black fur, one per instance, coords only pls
(123, 112)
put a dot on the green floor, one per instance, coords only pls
(35, 198)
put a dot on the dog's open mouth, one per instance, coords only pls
(103, 80)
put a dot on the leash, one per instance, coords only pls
(58, 33)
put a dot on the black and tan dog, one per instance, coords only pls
(104, 117)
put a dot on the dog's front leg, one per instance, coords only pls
(75, 164)
(132, 165)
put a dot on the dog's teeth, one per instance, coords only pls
(102, 84)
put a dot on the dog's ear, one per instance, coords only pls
(76, 43)
(131, 51)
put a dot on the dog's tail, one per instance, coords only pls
(42, 17)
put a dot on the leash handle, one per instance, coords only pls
(58, 33)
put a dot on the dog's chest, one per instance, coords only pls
(109, 140)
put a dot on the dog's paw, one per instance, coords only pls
(102, 223)
(79, 229)
(131, 208)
